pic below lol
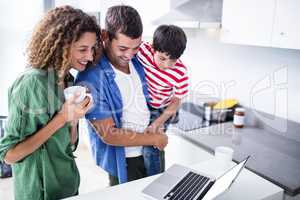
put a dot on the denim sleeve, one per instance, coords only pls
(95, 82)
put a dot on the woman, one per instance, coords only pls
(41, 129)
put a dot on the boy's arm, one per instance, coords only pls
(181, 89)
(168, 112)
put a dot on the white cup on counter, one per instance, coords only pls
(223, 157)
(71, 91)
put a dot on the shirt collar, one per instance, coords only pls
(107, 68)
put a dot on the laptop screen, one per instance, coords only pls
(225, 181)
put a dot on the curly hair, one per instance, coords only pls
(54, 35)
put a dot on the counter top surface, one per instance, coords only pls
(247, 186)
(273, 156)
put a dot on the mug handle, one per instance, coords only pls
(90, 96)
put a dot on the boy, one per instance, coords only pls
(166, 76)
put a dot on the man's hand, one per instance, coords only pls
(161, 140)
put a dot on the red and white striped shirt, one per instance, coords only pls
(162, 84)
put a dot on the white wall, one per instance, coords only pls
(265, 79)
(213, 66)
(86, 5)
(16, 23)
(149, 10)
(19, 17)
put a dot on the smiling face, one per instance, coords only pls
(121, 49)
(163, 60)
(82, 51)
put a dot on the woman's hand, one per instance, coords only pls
(74, 132)
(72, 111)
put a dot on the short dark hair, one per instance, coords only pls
(169, 39)
(123, 19)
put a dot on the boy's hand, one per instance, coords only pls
(173, 117)
(153, 128)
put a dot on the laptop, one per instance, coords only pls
(179, 182)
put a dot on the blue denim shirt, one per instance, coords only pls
(100, 79)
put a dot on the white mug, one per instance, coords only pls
(71, 91)
(223, 156)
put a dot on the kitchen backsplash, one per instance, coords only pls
(264, 79)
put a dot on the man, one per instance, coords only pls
(119, 90)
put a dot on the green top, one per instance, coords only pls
(50, 172)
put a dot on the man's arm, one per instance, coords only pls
(170, 111)
(123, 137)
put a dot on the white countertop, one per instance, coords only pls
(248, 186)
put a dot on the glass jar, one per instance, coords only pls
(239, 117)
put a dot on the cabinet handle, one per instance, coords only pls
(225, 30)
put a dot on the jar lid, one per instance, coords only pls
(240, 109)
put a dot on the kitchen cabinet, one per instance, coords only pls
(270, 23)
(175, 3)
(286, 29)
(179, 150)
(247, 22)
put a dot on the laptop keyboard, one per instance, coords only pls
(188, 188)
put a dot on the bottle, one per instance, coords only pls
(238, 117)
(207, 114)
